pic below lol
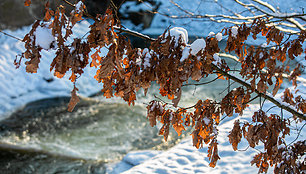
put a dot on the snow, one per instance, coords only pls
(203, 26)
(18, 88)
(147, 58)
(178, 32)
(185, 53)
(219, 37)
(193, 49)
(138, 157)
(197, 46)
(206, 120)
(79, 6)
(264, 45)
(211, 34)
(44, 37)
(234, 31)
(217, 59)
(185, 158)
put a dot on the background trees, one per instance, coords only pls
(172, 62)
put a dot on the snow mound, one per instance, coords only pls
(219, 36)
(193, 49)
(44, 37)
(211, 34)
(234, 31)
(197, 46)
(185, 54)
(178, 32)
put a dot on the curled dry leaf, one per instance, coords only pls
(73, 100)
(213, 153)
(27, 3)
(176, 100)
(235, 135)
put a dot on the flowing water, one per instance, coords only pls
(42, 137)
(95, 133)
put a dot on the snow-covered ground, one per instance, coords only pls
(184, 158)
(18, 88)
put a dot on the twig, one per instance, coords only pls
(298, 134)
(266, 5)
(226, 88)
(288, 18)
(263, 70)
(204, 83)
(270, 108)
(182, 9)
(251, 99)
(9, 35)
(238, 19)
(244, 149)
(223, 118)
(162, 100)
(268, 97)
(134, 33)
(69, 3)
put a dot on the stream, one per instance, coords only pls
(42, 137)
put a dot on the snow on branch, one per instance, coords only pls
(275, 17)
(266, 96)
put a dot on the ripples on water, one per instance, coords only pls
(43, 137)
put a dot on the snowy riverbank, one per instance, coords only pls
(18, 88)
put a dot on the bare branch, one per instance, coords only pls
(263, 70)
(204, 83)
(134, 33)
(9, 35)
(266, 5)
(275, 14)
(266, 96)
(182, 9)
(299, 132)
(296, 23)
(239, 19)
(69, 3)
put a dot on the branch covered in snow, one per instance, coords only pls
(287, 22)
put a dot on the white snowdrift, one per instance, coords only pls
(18, 87)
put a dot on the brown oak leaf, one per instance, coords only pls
(27, 3)
(73, 100)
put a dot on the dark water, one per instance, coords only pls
(43, 137)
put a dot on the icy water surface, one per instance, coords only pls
(44, 136)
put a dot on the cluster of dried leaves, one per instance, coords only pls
(125, 70)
